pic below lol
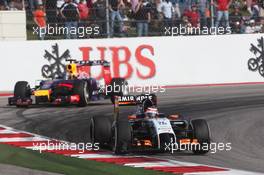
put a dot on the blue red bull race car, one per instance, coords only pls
(75, 87)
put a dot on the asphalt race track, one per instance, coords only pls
(235, 114)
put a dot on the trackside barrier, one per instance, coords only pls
(143, 61)
(13, 25)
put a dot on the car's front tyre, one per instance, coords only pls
(201, 132)
(80, 88)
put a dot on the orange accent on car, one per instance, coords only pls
(126, 103)
(195, 141)
(147, 143)
(174, 117)
(185, 141)
(131, 117)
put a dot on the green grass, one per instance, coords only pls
(64, 165)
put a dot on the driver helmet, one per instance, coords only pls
(151, 112)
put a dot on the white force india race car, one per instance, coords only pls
(148, 129)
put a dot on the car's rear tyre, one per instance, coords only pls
(166, 142)
(92, 86)
(122, 136)
(9, 102)
(100, 130)
(22, 90)
(201, 132)
(118, 88)
(81, 89)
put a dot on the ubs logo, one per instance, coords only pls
(257, 63)
(56, 68)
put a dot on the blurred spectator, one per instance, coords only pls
(84, 12)
(249, 3)
(193, 16)
(143, 17)
(100, 15)
(203, 6)
(185, 22)
(58, 17)
(35, 3)
(222, 11)
(252, 27)
(134, 3)
(83, 9)
(12, 6)
(32, 4)
(177, 12)
(40, 20)
(71, 15)
(186, 4)
(166, 9)
(90, 3)
(255, 9)
(135, 15)
(115, 6)
(51, 11)
(186, 25)
(3, 5)
(59, 3)
(236, 20)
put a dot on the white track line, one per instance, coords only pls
(185, 163)
(6, 131)
(92, 156)
(22, 139)
(45, 147)
(230, 172)
(149, 164)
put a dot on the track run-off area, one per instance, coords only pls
(235, 115)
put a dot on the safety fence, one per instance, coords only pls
(131, 18)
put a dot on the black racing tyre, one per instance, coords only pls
(9, 102)
(166, 141)
(201, 132)
(22, 90)
(118, 88)
(80, 88)
(100, 130)
(122, 136)
(92, 86)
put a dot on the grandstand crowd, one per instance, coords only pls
(141, 17)
(11, 5)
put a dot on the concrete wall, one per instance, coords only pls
(13, 25)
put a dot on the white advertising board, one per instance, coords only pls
(144, 61)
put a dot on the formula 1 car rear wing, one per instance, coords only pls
(76, 66)
(130, 100)
(89, 62)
